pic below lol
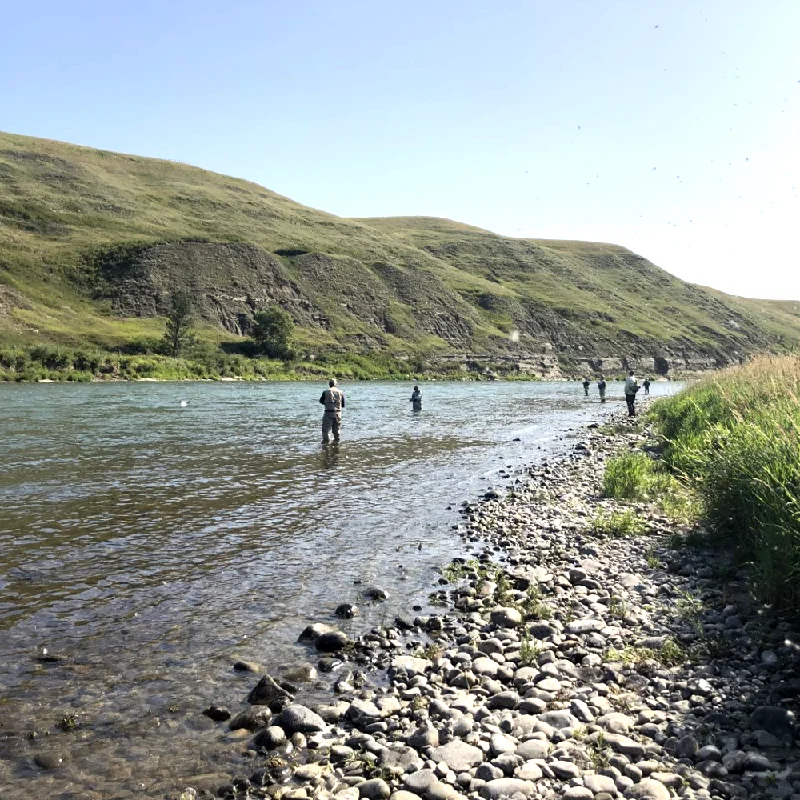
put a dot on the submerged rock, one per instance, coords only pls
(347, 610)
(251, 719)
(217, 714)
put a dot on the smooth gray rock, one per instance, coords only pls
(270, 737)
(600, 783)
(485, 666)
(616, 722)
(559, 719)
(687, 747)
(580, 710)
(577, 793)
(503, 700)
(425, 736)
(734, 761)
(565, 769)
(443, 791)
(708, 753)
(488, 772)
(541, 630)
(529, 771)
(647, 789)
(533, 748)
(506, 617)
(374, 789)
(397, 757)
(419, 782)
(363, 712)
(458, 755)
(296, 718)
(506, 787)
(501, 744)
(755, 762)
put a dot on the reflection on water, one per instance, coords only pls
(154, 543)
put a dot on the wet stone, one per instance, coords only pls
(270, 738)
(297, 718)
(217, 714)
(48, 761)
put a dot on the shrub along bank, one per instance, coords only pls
(735, 438)
(204, 361)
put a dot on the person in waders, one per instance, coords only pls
(646, 384)
(631, 387)
(416, 399)
(333, 400)
(601, 387)
(586, 385)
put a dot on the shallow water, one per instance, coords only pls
(154, 544)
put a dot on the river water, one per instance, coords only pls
(155, 533)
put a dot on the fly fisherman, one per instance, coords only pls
(631, 387)
(601, 387)
(333, 400)
(586, 385)
(416, 399)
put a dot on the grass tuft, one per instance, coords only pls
(618, 524)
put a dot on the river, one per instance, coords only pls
(155, 533)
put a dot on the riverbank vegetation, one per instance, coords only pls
(734, 439)
(145, 359)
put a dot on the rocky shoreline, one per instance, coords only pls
(564, 663)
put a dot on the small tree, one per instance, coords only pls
(179, 322)
(273, 333)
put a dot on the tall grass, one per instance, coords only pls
(736, 436)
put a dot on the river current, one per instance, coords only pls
(155, 533)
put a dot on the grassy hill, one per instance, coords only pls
(93, 242)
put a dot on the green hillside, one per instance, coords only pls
(93, 242)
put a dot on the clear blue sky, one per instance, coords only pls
(668, 126)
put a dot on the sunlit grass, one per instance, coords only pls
(736, 437)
